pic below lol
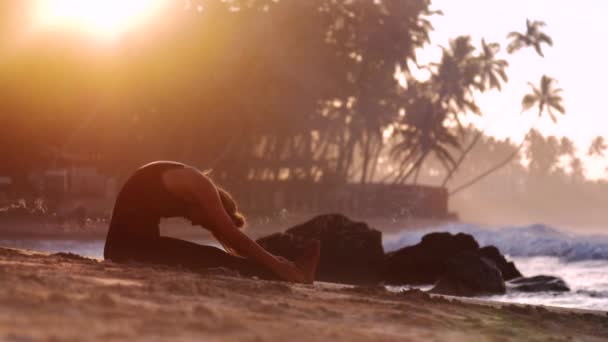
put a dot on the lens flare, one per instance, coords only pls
(103, 18)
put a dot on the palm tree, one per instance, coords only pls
(597, 147)
(533, 37)
(456, 76)
(547, 98)
(491, 75)
(543, 154)
(577, 169)
(491, 70)
(423, 133)
(566, 147)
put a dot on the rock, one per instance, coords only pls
(540, 283)
(508, 269)
(469, 274)
(351, 252)
(425, 262)
(416, 294)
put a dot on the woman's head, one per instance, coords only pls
(237, 218)
(231, 208)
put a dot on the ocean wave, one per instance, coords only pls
(593, 293)
(520, 241)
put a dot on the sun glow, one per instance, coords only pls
(103, 18)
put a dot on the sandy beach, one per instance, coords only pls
(69, 298)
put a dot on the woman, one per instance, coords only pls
(169, 189)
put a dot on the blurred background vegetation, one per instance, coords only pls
(315, 91)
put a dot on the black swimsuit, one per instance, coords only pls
(134, 232)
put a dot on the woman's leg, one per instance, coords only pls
(125, 247)
(170, 251)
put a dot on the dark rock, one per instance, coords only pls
(469, 275)
(416, 294)
(508, 269)
(351, 252)
(425, 262)
(540, 283)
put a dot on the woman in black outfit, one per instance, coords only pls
(169, 189)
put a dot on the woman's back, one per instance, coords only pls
(141, 203)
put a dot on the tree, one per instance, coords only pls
(543, 154)
(247, 87)
(255, 89)
(422, 132)
(566, 147)
(374, 38)
(455, 77)
(597, 147)
(547, 98)
(533, 37)
(492, 71)
(491, 75)
(577, 170)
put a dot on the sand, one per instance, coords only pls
(68, 298)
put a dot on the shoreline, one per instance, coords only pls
(257, 227)
(56, 296)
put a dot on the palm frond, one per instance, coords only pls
(503, 75)
(546, 39)
(545, 84)
(515, 35)
(514, 46)
(551, 115)
(528, 102)
(558, 107)
(539, 50)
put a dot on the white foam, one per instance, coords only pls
(528, 241)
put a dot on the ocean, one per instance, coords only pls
(581, 260)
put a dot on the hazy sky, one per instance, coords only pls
(576, 60)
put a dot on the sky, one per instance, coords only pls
(576, 60)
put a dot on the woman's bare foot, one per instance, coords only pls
(307, 263)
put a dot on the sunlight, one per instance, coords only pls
(103, 18)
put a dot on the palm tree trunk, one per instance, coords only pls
(350, 153)
(462, 157)
(494, 168)
(343, 148)
(366, 158)
(391, 174)
(375, 158)
(309, 151)
(465, 153)
(414, 167)
(417, 174)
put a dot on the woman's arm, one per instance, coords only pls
(198, 189)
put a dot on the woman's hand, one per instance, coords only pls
(304, 269)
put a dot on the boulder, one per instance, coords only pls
(540, 283)
(425, 262)
(469, 274)
(508, 269)
(351, 252)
